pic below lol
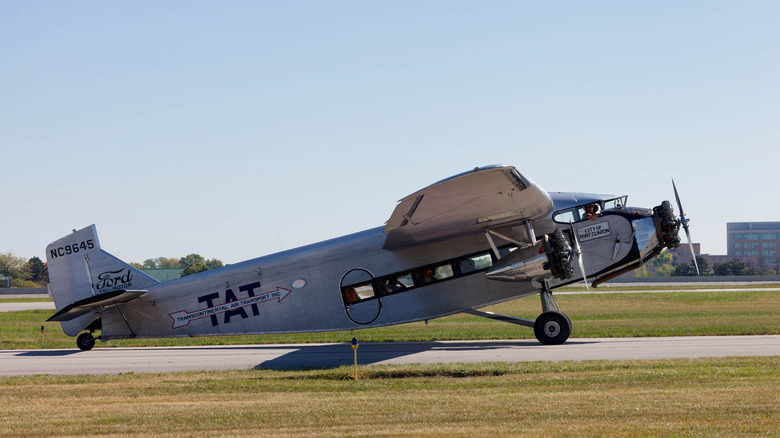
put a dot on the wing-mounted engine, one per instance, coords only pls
(550, 257)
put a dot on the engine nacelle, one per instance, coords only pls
(550, 257)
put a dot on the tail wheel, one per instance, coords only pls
(552, 328)
(85, 341)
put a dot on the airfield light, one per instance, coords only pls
(354, 349)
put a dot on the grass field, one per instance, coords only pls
(728, 397)
(746, 312)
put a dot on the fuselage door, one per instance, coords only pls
(360, 296)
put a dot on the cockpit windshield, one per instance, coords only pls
(591, 210)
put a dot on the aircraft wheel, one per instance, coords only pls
(552, 328)
(85, 341)
(571, 325)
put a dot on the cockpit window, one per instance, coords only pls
(569, 216)
(591, 210)
(615, 203)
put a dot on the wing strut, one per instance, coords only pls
(531, 233)
(508, 239)
(492, 245)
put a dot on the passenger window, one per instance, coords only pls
(364, 291)
(397, 283)
(350, 295)
(406, 279)
(475, 263)
(359, 292)
(442, 272)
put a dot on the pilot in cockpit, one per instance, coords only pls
(592, 211)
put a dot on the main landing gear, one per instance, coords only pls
(85, 341)
(552, 327)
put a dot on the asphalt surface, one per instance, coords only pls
(168, 359)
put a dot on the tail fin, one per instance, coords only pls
(83, 277)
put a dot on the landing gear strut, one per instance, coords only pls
(552, 327)
(85, 341)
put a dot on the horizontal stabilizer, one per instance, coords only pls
(87, 305)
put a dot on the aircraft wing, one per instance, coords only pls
(464, 204)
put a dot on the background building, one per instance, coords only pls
(754, 242)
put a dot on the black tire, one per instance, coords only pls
(571, 325)
(85, 341)
(552, 328)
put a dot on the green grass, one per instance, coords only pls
(729, 397)
(25, 300)
(661, 286)
(594, 315)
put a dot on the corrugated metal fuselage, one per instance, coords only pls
(303, 290)
(300, 291)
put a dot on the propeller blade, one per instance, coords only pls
(693, 255)
(684, 223)
(677, 197)
(578, 251)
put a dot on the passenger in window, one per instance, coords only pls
(592, 212)
(428, 276)
(393, 285)
(351, 296)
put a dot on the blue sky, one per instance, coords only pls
(235, 129)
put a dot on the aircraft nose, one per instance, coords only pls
(667, 225)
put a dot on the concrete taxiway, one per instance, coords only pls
(168, 359)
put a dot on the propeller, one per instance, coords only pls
(578, 251)
(684, 223)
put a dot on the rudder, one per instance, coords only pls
(79, 270)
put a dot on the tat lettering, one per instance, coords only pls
(233, 306)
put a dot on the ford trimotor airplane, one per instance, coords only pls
(475, 239)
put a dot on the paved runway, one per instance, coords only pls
(15, 307)
(167, 359)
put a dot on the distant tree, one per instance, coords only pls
(764, 269)
(683, 270)
(641, 271)
(194, 268)
(12, 267)
(188, 260)
(214, 263)
(721, 269)
(168, 263)
(662, 264)
(733, 267)
(704, 265)
(191, 264)
(36, 271)
(689, 269)
(159, 263)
